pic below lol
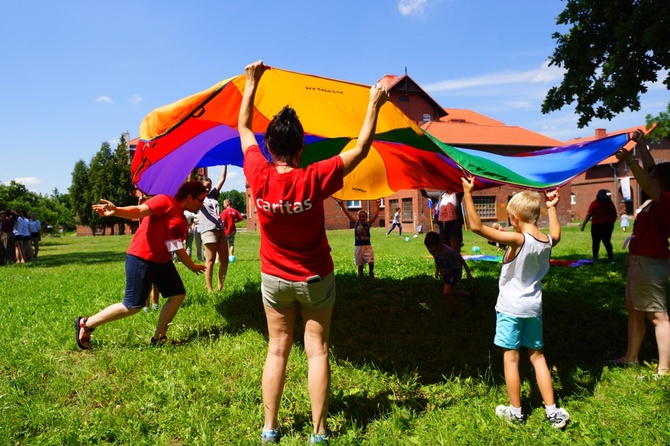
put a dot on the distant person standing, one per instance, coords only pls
(7, 237)
(396, 222)
(22, 238)
(624, 221)
(211, 232)
(363, 252)
(35, 233)
(230, 216)
(603, 215)
(449, 216)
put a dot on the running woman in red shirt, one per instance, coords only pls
(149, 259)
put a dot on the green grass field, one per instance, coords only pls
(403, 373)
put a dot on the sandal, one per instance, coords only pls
(84, 342)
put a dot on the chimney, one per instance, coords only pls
(601, 133)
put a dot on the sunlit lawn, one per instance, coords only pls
(403, 373)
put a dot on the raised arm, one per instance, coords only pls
(476, 225)
(374, 217)
(253, 73)
(351, 158)
(344, 208)
(554, 224)
(109, 209)
(222, 178)
(642, 176)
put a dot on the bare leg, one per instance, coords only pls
(360, 272)
(512, 377)
(371, 265)
(210, 259)
(636, 331)
(662, 330)
(222, 249)
(281, 323)
(455, 245)
(168, 313)
(543, 376)
(317, 337)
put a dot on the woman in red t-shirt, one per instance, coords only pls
(149, 259)
(648, 260)
(603, 215)
(296, 266)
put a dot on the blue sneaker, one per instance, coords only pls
(270, 436)
(319, 438)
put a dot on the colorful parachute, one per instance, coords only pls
(201, 131)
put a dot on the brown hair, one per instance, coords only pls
(432, 239)
(192, 188)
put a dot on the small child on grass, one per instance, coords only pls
(363, 248)
(519, 304)
(449, 265)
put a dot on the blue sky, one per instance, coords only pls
(77, 73)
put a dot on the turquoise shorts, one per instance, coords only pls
(513, 332)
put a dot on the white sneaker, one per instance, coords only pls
(154, 307)
(559, 418)
(506, 413)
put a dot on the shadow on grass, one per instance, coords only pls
(400, 327)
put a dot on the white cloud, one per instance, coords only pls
(104, 99)
(27, 181)
(412, 7)
(136, 98)
(542, 75)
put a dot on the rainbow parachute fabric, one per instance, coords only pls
(201, 131)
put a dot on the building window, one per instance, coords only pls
(485, 206)
(407, 214)
(573, 198)
(354, 204)
(426, 118)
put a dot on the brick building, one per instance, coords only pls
(610, 174)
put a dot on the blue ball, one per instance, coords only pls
(475, 249)
(231, 259)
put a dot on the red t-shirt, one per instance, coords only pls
(167, 223)
(290, 211)
(229, 216)
(652, 229)
(602, 213)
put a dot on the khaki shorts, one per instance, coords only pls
(213, 236)
(645, 283)
(363, 254)
(279, 293)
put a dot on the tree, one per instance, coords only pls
(80, 193)
(610, 52)
(662, 122)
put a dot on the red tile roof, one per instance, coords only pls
(465, 127)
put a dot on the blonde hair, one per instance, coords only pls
(526, 206)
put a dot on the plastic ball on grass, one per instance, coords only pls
(415, 236)
(231, 259)
(407, 239)
(475, 249)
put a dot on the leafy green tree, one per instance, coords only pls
(662, 122)
(610, 52)
(80, 193)
(237, 200)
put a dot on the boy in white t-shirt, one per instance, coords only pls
(519, 304)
